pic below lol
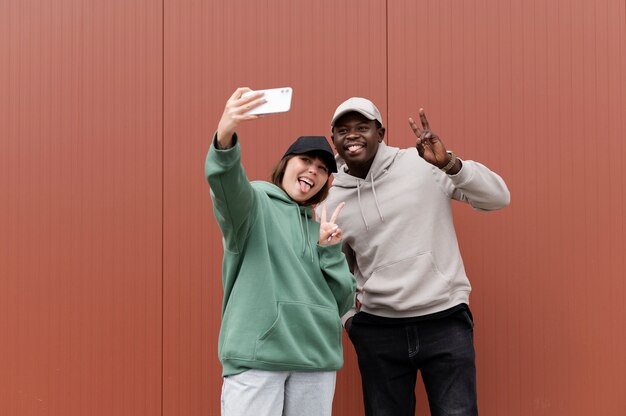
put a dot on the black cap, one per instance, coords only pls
(314, 144)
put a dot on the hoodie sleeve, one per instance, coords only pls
(478, 186)
(231, 193)
(340, 281)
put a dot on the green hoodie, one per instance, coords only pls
(283, 293)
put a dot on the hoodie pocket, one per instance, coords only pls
(409, 284)
(303, 335)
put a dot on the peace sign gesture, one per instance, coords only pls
(330, 233)
(428, 145)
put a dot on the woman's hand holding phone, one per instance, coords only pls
(235, 112)
(246, 104)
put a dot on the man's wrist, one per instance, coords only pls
(456, 168)
(451, 162)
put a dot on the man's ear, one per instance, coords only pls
(381, 134)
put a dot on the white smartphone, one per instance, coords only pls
(278, 101)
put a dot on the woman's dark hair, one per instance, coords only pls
(279, 172)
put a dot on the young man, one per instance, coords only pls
(401, 245)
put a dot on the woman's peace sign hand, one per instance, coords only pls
(330, 233)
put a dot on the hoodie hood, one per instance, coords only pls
(384, 158)
(276, 193)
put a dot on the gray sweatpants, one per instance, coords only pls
(278, 393)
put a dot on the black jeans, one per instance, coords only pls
(392, 351)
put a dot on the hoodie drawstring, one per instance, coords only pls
(301, 229)
(304, 232)
(380, 213)
(358, 194)
(308, 239)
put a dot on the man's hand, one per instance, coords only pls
(357, 306)
(428, 144)
(234, 113)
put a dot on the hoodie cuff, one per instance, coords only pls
(464, 175)
(330, 255)
(214, 143)
(221, 160)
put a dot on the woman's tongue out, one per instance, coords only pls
(305, 186)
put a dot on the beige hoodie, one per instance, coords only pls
(399, 236)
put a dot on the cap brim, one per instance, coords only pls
(352, 110)
(327, 157)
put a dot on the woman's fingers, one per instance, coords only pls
(329, 231)
(334, 231)
(240, 103)
(239, 92)
(337, 211)
(323, 219)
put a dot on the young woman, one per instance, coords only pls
(286, 281)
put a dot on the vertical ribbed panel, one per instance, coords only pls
(325, 53)
(80, 197)
(535, 90)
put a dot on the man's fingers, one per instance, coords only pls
(337, 211)
(424, 120)
(414, 127)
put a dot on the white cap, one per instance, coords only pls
(360, 105)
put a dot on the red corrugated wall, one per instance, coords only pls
(81, 207)
(109, 254)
